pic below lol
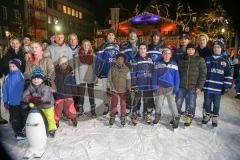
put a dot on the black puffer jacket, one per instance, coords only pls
(64, 89)
(192, 72)
(10, 55)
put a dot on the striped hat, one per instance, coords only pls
(38, 73)
(17, 62)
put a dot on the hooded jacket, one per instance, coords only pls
(13, 86)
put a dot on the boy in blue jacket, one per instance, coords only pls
(13, 86)
(218, 81)
(141, 76)
(166, 81)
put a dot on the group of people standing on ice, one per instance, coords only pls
(54, 77)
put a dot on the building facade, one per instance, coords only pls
(70, 16)
(11, 18)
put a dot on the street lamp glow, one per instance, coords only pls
(222, 30)
(57, 28)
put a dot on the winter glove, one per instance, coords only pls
(6, 106)
(225, 91)
(48, 82)
(36, 101)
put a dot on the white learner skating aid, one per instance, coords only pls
(36, 134)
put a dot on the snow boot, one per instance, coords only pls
(106, 109)
(93, 113)
(20, 136)
(111, 120)
(123, 120)
(80, 110)
(175, 122)
(188, 120)
(206, 119)
(157, 118)
(51, 133)
(214, 121)
(148, 118)
(75, 122)
(134, 119)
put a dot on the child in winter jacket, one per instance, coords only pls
(219, 81)
(192, 69)
(166, 80)
(41, 96)
(64, 95)
(141, 77)
(13, 87)
(120, 83)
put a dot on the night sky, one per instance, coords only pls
(101, 7)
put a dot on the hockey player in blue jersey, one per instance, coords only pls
(130, 50)
(105, 57)
(155, 48)
(218, 82)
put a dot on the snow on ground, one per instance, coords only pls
(93, 139)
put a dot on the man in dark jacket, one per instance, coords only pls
(192, 77)
(184, 40)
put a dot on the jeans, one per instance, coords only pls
(148, 101)
(207, 104)
(190, 97)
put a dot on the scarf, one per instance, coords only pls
(85, 58)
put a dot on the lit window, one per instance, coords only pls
(55, 20)
(4, 12)
(49, 19)
(65, 9)
(59, 7)
(73, 12)
(80, 15)
(77, 14)
(69, 11)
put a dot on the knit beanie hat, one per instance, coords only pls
(37, 73)
(219, 43)
(203, 35)
(184, 35)
(134, 30)
(63, 60)
(190, 45)
(16, 61)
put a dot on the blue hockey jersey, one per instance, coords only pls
(219, 74)
(105, 56)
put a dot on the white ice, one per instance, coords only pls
(93, 139)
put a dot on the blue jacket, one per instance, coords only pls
(142, 72)
(105, 56)
(166, 75)
(127, 49)
(155, 52)
(13, 86)
(219, 75)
